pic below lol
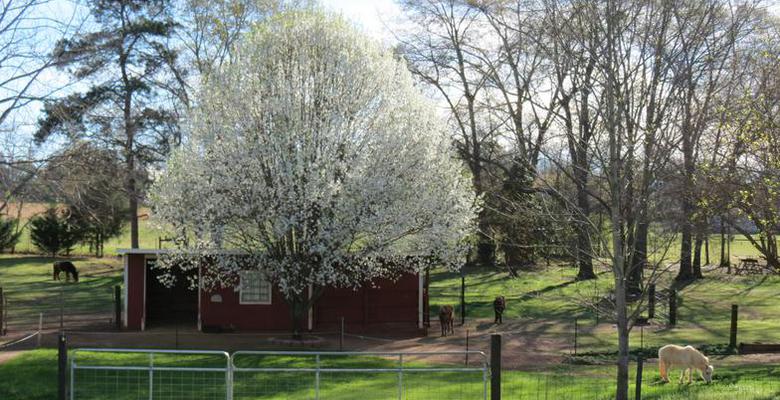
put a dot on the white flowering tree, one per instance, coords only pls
(316, 161)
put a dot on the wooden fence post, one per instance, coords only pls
(673, 308)
(62, 367)
(495, 367)
(733, 333)
(638, 392)
(118, 307)
(651, 301)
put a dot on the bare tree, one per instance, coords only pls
(27, 35)
(442, 52)
(707, 32)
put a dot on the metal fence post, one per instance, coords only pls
(639, 362)
(733, 333)
(462, 296)
(62, 367)
(229, 378)
(467, 347)
(400, 377)
(317, 378)
(151, 376)
(576, 329)
(495, 367)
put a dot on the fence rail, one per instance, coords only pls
(187, 374)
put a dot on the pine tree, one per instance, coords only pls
(8, 234)
(53, 234)
(129, 64)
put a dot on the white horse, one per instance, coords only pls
(686, 357)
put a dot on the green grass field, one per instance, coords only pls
(22, 377)
(551, 298)
(547, 300)
(29, 288)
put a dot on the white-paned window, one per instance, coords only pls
(254, 288)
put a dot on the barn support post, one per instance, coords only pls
(638, 391)
(495, 367)
(341, 334)
(651, 301)
(62, 367)
(117, 308)
(733, 333)
(673, 308)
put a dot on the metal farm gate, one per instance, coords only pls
(182, 374)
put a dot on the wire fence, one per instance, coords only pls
(60, 310)
(184, 374)
(149, 374)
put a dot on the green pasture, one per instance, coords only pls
(29, 289)
(549, 299)
(22, 377)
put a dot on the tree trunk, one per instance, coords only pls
(584, 249)
(696, 266)
(686, 268)
(516, 258)
(723, 260)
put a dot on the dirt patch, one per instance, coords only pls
(522, 346)
(8, 355)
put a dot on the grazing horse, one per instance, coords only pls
(686, 357)
(499, 305)
(446, 320)
(68, 268)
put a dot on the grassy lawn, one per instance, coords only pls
(22, 377)
(27, 283)
(548, 299)
(551, 295)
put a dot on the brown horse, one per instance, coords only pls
(499, 305)
(68, 268)
(446, 320)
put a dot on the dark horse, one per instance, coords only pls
(68, 268)
(499, 305)
(446, 320)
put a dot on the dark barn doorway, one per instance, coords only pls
(169, 306)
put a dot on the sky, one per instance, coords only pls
(372, 16)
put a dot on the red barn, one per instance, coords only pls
(255, 305)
